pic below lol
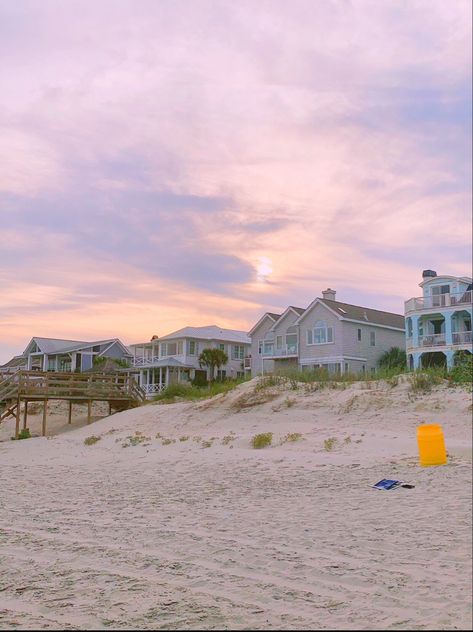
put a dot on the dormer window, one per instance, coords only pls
(438, 295)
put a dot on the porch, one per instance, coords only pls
(154, 379)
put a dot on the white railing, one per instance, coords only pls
(439, 300)
(287, 350)
(461, 337)
(146, 361)
(432, 340)
(152, 389)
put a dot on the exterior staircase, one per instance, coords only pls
(9, 391)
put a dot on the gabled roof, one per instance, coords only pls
(56, 345)
(53, 345)
(346, 311)
(271, 315)
(210, 332)
(298, 311)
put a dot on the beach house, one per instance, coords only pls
(337, 336)
(54, 354)
(438, 323)
(175, 357)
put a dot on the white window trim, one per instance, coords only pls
(319, 344)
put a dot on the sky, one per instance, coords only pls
(166, 163)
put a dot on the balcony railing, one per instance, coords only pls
(287, 350)
(146, 361)
(461, 337)
(439, 300)
(432, 340)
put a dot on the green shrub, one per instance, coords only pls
(91, 440)
(184, 438)
(462, 372)
(394, 358)
(23, 434)
(262, 440)
(190, 392)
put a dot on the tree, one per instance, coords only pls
(212, 358)
(394, 358)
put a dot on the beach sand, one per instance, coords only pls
(173, 521)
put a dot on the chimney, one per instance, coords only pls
(329, 294)
(428, 273)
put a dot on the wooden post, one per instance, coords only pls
(17, 419)
(25, 415)
(69, 419)
(89, 411)
(109, 408)
(45, 412)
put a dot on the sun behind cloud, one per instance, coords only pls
(264, 269)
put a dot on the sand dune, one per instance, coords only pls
(173, 521)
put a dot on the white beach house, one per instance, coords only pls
(175, 357)
(438, 323)
(340, 337)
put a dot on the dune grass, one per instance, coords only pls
(190, 392)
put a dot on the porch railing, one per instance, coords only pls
(439, 300)
(145, 361)
(461, 337)
(432, 340)
(152, 389)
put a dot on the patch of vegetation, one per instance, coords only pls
(23, 434)
(292, 437)
(91, 440)
(462, 372)
(421, 383)
(191, 392)
(268, 382)
(262, 440)
(136, 439)
(228, 438)
(329, 443)
(347, 440)
(184, 438)
(394, 358)
(206, 444)
(289, 402)
(167, 441)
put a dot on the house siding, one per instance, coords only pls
(256, 358)
(384, 340)
(319, 352)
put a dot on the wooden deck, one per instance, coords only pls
(118, 389)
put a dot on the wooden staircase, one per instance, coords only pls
(8, 394)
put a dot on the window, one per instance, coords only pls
(372, 338)
(221, 374)
(192, 347)
(179, 347)
(359, 335)
(260, 347)
(172, 348)
(278, 342)
(238, 352)
(346, 367)
(438, 295)
(321, 334)
(409, 327)
(221, 346)
(373, 370)
(240, 374)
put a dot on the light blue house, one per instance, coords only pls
(438, 323)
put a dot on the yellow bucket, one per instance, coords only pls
(431, 445)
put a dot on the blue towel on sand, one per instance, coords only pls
(387, 483)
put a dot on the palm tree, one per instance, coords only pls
(212, 358)
(394, 358)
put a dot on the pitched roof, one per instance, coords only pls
(210, 332)
(365, 314)
(55, 345)
(16, 361)
(274, 316)
(299, 310)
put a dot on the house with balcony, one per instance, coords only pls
(54, 354)
(329, 334)
(438, 323)
(174, 358)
